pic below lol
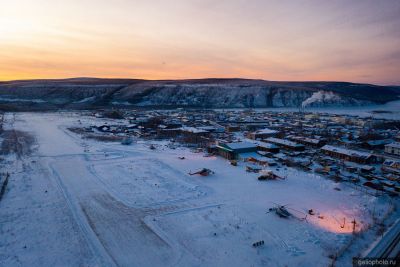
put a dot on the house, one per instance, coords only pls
(168, 132)
(232, 128)
(233, 150)
(392, 166)
(262, 134)
(268, 147)
(308, 141)
(194, 135)
(375, 144)
(349, 154)
(285, 144)
(393, 148)
(212, 129)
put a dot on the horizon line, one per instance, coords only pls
(192, 79)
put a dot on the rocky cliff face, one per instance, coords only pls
(211, 93)
(214, 95)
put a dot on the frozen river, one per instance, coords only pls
(390, 110)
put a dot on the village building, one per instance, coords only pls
(375, 144)
(212, 129)
(285, 144)
(393, 148)
(262, 134)
(233, 150)
(232, 128)
(308, 141)
(349, 154)
(392, 166)
(267, 147)
(194, 135)
(163, 132)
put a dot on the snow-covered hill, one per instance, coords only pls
(213, 93)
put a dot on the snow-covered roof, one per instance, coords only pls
(212, 128)
(207, 127)
(283, 142)
(392, 163)
(266, 145)
(193, 130)
(394, 144)
(345, 151)
(240, 145)
(266, 131)
(378, 142)
(306, 139)
(280, 156)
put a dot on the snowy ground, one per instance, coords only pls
(77, 202)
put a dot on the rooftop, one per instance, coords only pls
(266, 145)
(394, 144)
(283, 142)
(266, 131)
(240, 145)
(306, 139)
(193, 130)
(345, 151)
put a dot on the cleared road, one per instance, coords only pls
(389, 245)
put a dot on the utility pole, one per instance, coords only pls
(354, 225)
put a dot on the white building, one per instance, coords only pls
(393, 148)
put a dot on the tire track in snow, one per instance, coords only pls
(94, 243)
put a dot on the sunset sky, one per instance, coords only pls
(345, 40)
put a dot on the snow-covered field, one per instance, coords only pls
(77, 202)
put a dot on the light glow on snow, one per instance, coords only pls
(336, 221)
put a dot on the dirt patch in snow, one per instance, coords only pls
(17, 142)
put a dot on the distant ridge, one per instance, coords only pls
(92, 93)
